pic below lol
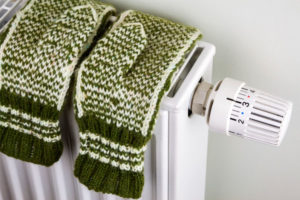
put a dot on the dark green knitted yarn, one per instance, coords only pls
(29, 148)
(103, 177)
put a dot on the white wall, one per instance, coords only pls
(257, 41)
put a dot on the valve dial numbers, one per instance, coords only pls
(242, 104)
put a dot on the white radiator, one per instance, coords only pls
(175, 162)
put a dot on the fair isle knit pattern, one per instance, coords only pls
(38, 54)
(119, 88)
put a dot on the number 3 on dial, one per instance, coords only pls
(245, 104)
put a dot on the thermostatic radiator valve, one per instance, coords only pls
(233, 108)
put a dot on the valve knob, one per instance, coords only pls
(234, 108)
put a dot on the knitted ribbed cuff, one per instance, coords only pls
(111, 159)
(29, 131)
(103, 177)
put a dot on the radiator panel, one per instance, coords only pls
(168, 167)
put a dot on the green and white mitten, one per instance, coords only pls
(119, 88)
(38, 54)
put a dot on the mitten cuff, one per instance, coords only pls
(111, 159)
(29, 131)
(103, 177)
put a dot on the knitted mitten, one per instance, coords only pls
(118, 91)
(38, 54)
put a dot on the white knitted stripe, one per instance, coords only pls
(39, 129)
(30, 132)
(122, 148)
(109, 153)
(45, 123)
(10, 32)
(107, 160)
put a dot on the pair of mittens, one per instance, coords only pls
(118, 91)
(38, 54)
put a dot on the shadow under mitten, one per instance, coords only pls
(38, 54)
(118, 91)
